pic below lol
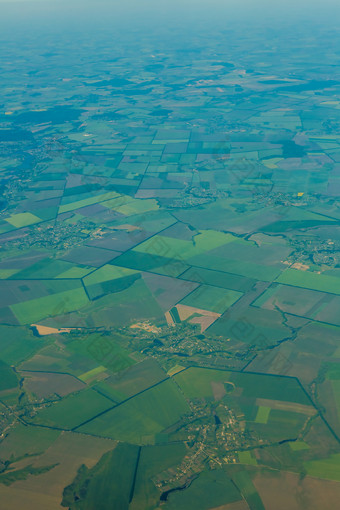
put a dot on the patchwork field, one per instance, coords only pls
(153, 411)
(169, 257)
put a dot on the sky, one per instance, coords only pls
(21, 13)
(256, 4)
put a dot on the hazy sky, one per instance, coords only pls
(272, 5)
(256, 4)
(249, 11)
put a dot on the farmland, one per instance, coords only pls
(169, 261)
(153, 411)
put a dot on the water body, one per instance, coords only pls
(165, 495)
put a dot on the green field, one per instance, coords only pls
(152, 262)
(132, 206)
(252, 326)
(22, 219)
(8, 379)
(280, 425)
(218, 279)
(28, 312)
(106, 273)
(247, 458)
(25, 440)
(140, 418)
(124, 307)
(276, 388)
(245, 485)
(180, 249)
(52, 268)
(237, 267)
(133, 380)
(153, 460)
(102, 350)
(298, 446)
(77, 204)
(303, 302)
(75, 272)
(196, 382)
(210, 298)
(262, 414)
(328, 469)
(51, 359)
(73, 410)
(210, 490)
(309, 280)
(92, 374)
(105, 486)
